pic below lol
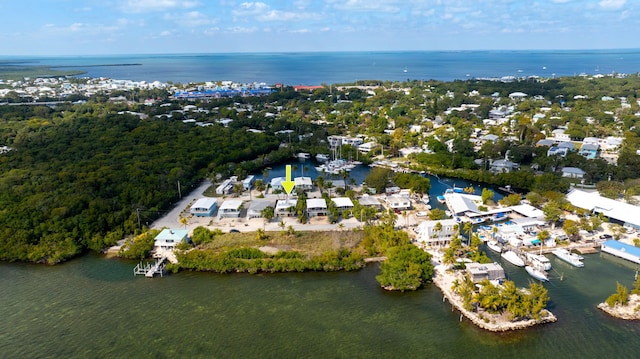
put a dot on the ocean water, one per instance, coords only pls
(93, 307)
(315, 68)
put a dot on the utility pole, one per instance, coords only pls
(179, 193)
(138, 214)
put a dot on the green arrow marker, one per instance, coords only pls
(288, 184)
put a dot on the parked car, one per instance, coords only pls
(606, 236)
(421, 214)
(234, 231)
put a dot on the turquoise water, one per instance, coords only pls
(315, 68)
(95, 307)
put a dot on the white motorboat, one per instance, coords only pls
(567, 256)
(536, 273)
(303, 155)
(322, 157)
(513, 258)
(539, 261)
(494, 246)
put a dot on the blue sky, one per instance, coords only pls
(74, 27)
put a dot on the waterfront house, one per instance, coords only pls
(481, 271)
(204, 207)
(230, 208)
(247, 183)
(169, 238)
(437, 233)
(276, 184)
(283, 207)
(316, 207)
(303, 183)
(573, 172)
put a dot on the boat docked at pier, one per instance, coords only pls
(538, 261)
(320, 157)
(303, 155)
(513, 258)
(494, 246)
(537, 273)
(571, 258)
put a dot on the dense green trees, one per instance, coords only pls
(84, 179)
(518, 303)
(407, 268)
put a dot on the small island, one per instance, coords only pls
(623, 305)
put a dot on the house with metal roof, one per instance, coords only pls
(622, 250)
(573, 172)
(623, 213)
(257, 206)
(437, 233)
(170, 238)
(316, 207)
(230, 208)
(204, 207)
(283, 207)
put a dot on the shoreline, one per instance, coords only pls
(625, 312)
(486, 321)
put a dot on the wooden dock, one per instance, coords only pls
(149, 270)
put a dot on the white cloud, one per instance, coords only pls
(388, 6)
(612, 4)
(251, 8)
(277, 15)
(190, 19)
(138, 6)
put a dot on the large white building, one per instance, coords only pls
(624, 213)
(429, 234)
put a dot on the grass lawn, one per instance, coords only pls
(309, 243)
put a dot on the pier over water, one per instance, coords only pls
(149, 270)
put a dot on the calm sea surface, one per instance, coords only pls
(93, 307)
(340, 67)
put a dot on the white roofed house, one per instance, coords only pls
(316, 207)
(437, 233)
(283, 207)
(303, 183)
(230, 208)
(342, 203)
(276, 183)
(398, 203)
(204, 207)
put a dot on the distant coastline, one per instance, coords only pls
(100, 65)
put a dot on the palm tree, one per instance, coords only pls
(468, 227)
(184, 221)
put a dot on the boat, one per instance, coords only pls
(539, 261)
(441, 199)
(567, 256)
(499, 217)
(536, 273)
(320, 157)
(494, 246)
(513, 258)
(303, 155)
